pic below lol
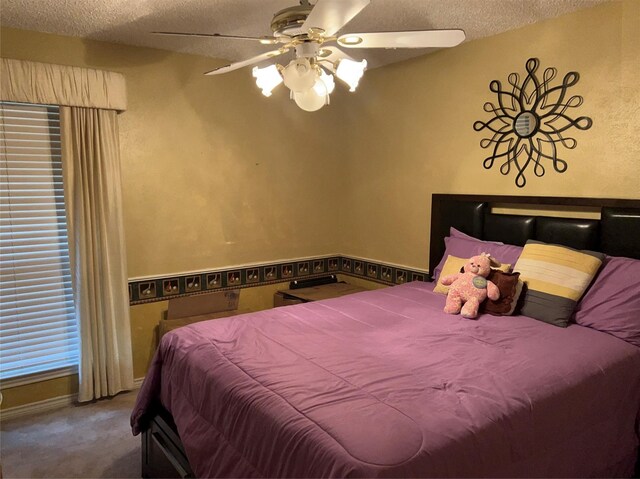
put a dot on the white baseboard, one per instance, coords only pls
(48, 404)
(37, 407)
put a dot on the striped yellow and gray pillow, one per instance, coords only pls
(556, 278)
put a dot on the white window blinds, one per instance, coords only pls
(38, 327)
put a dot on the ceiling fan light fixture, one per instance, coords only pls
(267, 78)
(350, 72)
(309, 29)
(299, 75)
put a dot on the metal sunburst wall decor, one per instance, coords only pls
(530, 121)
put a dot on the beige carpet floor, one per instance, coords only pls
(92, 440)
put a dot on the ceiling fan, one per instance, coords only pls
(312, 32)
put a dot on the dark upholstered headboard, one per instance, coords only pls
(616, 233)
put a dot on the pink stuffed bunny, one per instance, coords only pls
(470, 287)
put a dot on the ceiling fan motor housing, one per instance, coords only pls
(307, 49)
(289, 18)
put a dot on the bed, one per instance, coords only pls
(385, 384)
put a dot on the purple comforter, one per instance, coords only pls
(383, 383)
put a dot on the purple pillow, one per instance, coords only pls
(612, 303)
(464, 246)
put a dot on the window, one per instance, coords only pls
(38, 327)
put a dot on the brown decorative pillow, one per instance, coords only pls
(510, 288)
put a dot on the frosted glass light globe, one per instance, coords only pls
(328, 81)
(313, 98)
(350, 72)
(299, 75)
(267, 78)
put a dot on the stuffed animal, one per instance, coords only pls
(470, 287)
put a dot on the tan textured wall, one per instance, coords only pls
(214, 174)
(415, 134)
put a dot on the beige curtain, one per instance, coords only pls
(91, 168)
(46, 83)
(89, 102)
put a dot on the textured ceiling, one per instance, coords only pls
(129, 21)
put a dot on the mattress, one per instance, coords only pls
(384, 384)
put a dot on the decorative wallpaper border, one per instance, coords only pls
(166, 287)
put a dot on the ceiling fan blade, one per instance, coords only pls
(332, 15)
(263, 40)
(408, 39)
(247, 62)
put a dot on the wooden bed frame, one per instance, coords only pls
(616, 233)
(162, 451)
